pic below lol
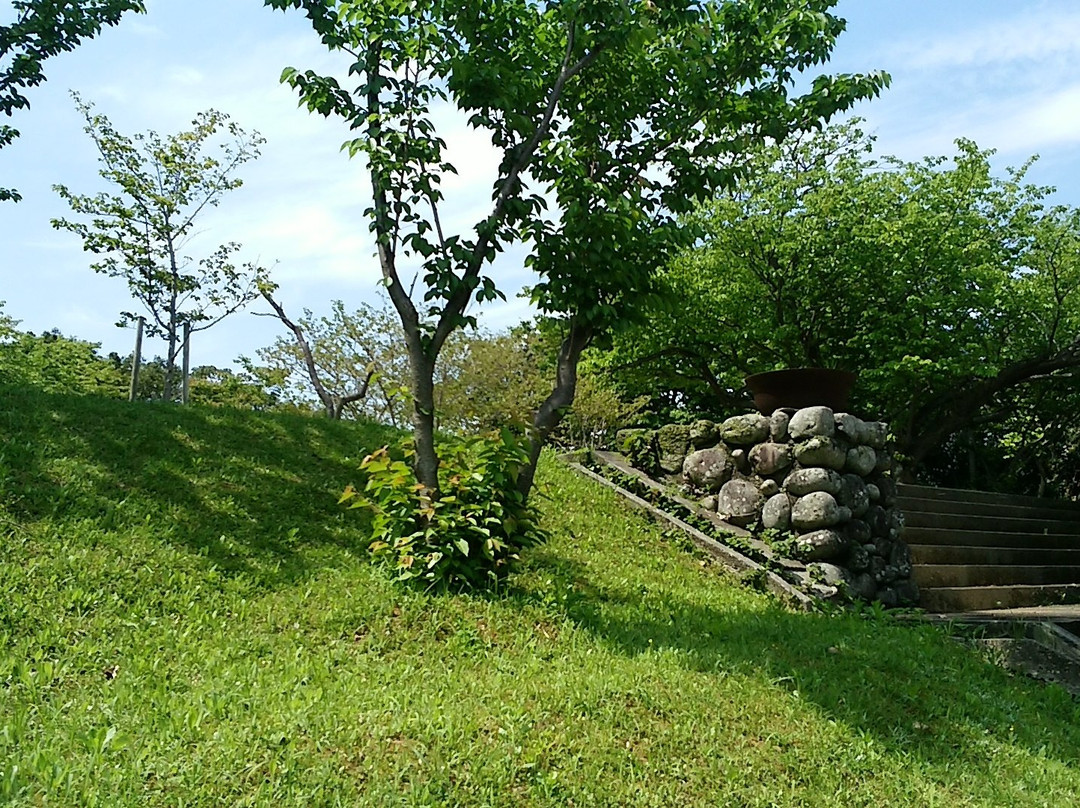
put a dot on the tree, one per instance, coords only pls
(341, 359)
(621, 113)
(141, 232)
(44, 28)
(944, 286)
(55, 363)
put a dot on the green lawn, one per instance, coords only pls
(187, 619)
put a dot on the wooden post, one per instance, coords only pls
(187, 362)
(136, 360)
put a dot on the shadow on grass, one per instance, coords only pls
(910, 686)
(253, 494)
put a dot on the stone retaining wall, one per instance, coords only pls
(824, 478)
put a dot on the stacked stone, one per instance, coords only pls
(825, 477)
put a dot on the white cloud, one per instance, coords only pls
(1035, 34)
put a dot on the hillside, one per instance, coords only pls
(186, 618)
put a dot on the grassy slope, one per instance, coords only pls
(187, 619)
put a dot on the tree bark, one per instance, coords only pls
(557, 404)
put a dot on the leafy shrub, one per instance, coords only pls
(465, 537)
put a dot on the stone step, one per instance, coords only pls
(952, 575)
(963, 495)
(998, 524)
(972, 598)
(915, 505)
(957, 554)
(914, 534)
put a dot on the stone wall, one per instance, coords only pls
(824, 479)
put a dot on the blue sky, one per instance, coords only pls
(1001, 73)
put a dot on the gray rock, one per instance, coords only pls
(739, 502)
(890, 573)
(854, 495)
(703, 434)
(769, 487)
(873, 491)
(884, 547)
(864, 587)
(709, 503)
(900, 558)
(878, 521)
(889, 597)
(858, 559)
(874, 434)
(812, 422)
(673, 441)
(741, 461)
(888, 490)
(708, 469)
(907, 592)
(870, 548)
(819, 545)
(848, 426)
(806, 481)
(861, 460)
(815, 510)
(769, 458)
(828, 574)
(883, 463)
(778, 426)
(777, 512)
(821, 452)
(745, 430)
(858, 531)
(877, 568)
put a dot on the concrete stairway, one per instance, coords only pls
(974, 551)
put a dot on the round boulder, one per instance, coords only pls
(848, 426)
(818, 545)
(874, 434)
(769, 487)
(769, 458)
(806, 481)
(745, 430)
(854, 494)
(777, 512)
(739, 502)
(864, 587)
(815, 510)
(778, 426)
(708, 468)
(703, 434)
(828, 574)
(858, 531)
(812, 421)
(858, 560)
(673, 441)
(860, 460)
(821, 452)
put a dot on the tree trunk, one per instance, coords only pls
(555, 406)
(422, 369)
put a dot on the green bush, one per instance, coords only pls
(469, 534)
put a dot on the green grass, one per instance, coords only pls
(186, 619)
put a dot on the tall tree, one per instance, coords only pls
(141, 232)
(41, 29)
(943, 285)
(621, 113)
